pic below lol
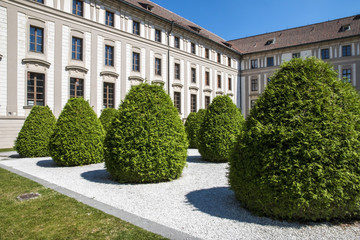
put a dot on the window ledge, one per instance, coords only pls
(177, 85)
(28, 107)
(159, 82)
(36, 61)
(207, 90)
(193, 88)
(76, 68)
(219, 92)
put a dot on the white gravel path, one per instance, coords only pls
(199, 203)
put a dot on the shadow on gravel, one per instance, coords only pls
(15, 156)
(98, 176)
(47, 164)
(197, 159)
(221, 202)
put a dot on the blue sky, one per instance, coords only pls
(232, 19)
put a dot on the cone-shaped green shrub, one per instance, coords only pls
(192, 126)
(299, 156)
(78, 135)
(220, 129)
(106, 117)
(33, 138)
(146, 141)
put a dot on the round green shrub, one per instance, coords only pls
(298, 158)
(146, 141)
(33, 138)
(220, 129)
(192, 126)
(78, 135)
(106, 117)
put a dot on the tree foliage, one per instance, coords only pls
(299, 155)
(146, 141)
(106, 117)
(78, 136)
(33, 138)
(219, 130)
(192, 126)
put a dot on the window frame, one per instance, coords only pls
(325, 53)
(75, 10)
(346, 73)
(136, 62)
(74, 54)
(229, 84)
(109, 22)
(254, 63)
(177, 100)
(35, 43)
(177, 42)
(158, 35)
(107, 95)
(219, 81)
(177, 71)
(271, 61)
(158, 66)
(193, 75)
(35, 89)
(136, 28)
(254, 85)
(219, 57)
(229, 61)
(193, 103)
(347, 50)
(109, 56)
(296, 55)
(193, 48)
(76, 86)
(207, 78)
(207, 53)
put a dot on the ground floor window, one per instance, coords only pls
(177, 101)
(346, 73)
(108, 95)
(193, 103)
(207, 102)
(35, 89)
(76, 87)
(252, 103)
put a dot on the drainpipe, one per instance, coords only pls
(168, 56)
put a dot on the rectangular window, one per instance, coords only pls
(36, 39)
(78, 7)
(229, 84)
(77, 48)
(207, 53)
(109, 55)
(325, 53)
(296, 55)
(35, 89)
(346, 73)
(254, 64)
(229, 62)
(346, 50)
(207, 78)
(207, 102)
(177, 101)
(176, 42)
(108, 95)
(254, 85)
(157, 35)
(40, 1)
(158, 66)
(219, 58)
(136, 28)
(193, 105)
(193, 49)
(136, 62)
(177, 71)
(76, 87)
(193, 75)
(270, 61)
(252, 103)
(219, 81)
(109, 18)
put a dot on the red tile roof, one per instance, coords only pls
(298, 36)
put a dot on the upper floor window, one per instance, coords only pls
(219, 81)
(193, 49)
(296, 55)
(177, 71)
(136, 28)
(176, 42)
(157, 35)
(109, 55)
(35, 89)
(109, 18)
(76, 87)
(207, 102)
(254, 63)
(136, 62)
(193, 104)
(254, 85)
(270, 61)
(325, 53)
(346, 73)
(36, 39)
(108, 95)
(177, 101)
(78, 7)
(77, 48)
(346, 50)
(207, 78)
(229, 84)
(207, 53)
(158, 66)
(193, 75)
(219, 57)
(229, 61)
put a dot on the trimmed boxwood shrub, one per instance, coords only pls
(192, 126)
(298, 158)
(146, 141)
(33, 138)
(78, 136)
(220, 129)
(106, 117)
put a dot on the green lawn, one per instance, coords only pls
(55, 216)
(6, 149)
